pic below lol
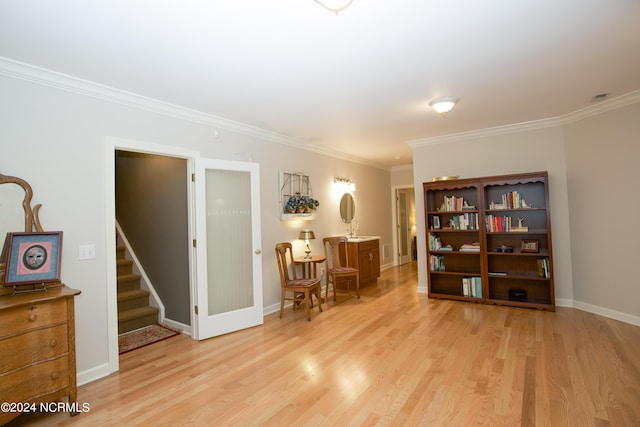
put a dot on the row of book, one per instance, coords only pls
(510, 200)
(497, 223)
(543, 268)
(434, 242)
(435, 245)
(453, 203)
(472, 287)
(465, 221)
(436, 262)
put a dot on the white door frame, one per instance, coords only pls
(394, 218)
(113, 144)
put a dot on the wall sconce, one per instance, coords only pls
(344, 183)
(444, 105)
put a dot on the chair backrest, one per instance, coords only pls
(334, 249)
(283, 251)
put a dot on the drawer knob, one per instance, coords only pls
(55, 375)
(53, 343)
(33, 317)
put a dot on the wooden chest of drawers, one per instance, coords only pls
(37, 347)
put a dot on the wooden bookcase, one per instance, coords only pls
(489, 240)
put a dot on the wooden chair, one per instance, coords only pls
(334, 248)
(301, 289)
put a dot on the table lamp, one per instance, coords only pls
(307, 235)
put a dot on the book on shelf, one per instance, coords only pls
(543, 268)
(472, 287)
(470, 247)
(453, 203)
(465, 221)
(436, 262)
(497, 273)
(510, 200)
(519, 229)
(434, 242)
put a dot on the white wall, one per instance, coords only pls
(53, 136)
(602, 154)
(496, 153)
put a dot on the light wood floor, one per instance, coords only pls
(392, 358)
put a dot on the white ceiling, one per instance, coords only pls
(358, 83)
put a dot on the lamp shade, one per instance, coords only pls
(306, 235)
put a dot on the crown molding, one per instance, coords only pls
(483, 133)
(42, 76)
(583, 113)
(602, 107)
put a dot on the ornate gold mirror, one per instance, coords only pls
(16, 214)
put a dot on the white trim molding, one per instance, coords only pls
(607, 312)
(592, 110)
(53, 79)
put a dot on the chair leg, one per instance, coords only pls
(319, 296)
(282, 305)
(358, 286)
(307, 297)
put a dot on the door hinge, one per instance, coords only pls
(193, 177)
(194, 243)
(196, 308)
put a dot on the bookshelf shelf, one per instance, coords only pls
(506, 211)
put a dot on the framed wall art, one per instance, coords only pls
(32, 258)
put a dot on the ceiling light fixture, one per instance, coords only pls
(335, 6)
(444, 105)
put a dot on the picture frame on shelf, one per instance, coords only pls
(32, 257)
(529, 246)
(435, 222)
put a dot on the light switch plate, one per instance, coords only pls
(86, 252)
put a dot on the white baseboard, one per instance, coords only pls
(185, 329)
(606, 312)
(92, 374)
(569, 303)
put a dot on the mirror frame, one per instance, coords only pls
(347, 217)
(31, 218)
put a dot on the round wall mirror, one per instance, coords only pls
(347, 208)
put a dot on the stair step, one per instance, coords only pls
(137, 318)
(128, 300)
(124, 266)
(120, 251)
(128, 282)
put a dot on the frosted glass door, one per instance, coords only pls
(404, 229)
(228, 254)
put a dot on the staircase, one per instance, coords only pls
(134, 311)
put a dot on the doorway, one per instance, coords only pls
(152, 211)
(112, 146)
(405, 229)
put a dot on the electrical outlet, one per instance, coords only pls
(86, 252)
